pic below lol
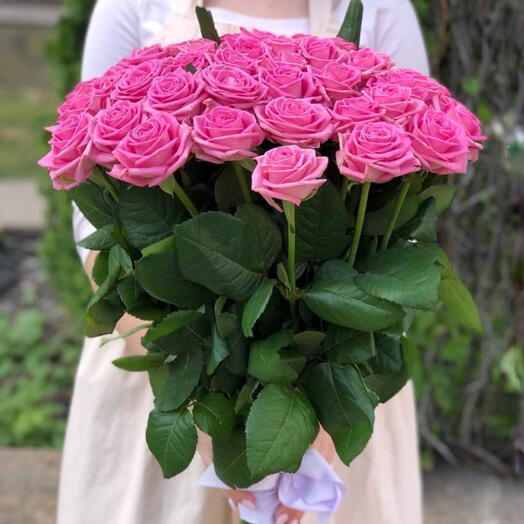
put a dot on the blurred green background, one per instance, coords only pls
(470, 388)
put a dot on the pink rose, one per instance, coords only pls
(180, 93)
(230, 86)
(440, 143)
(339, 80)
(228, 56)
(226, 133)
(191, 46)
(81, 99)
(198, 59)
(397, 101)
(288, 173)
(422, 86)
(461, 114)
(343, 45)
(376, 152)
(256, 33)
(135, 82)
(369, 62)
(348, 112)
(319, 51)
(291, 121)
(290, 81)
(152, 151)
(67, 162)
(277, 45)
(139, 56)
(249, 46)
(109, 127)
(284, 58)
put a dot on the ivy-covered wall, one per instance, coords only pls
(470, 389)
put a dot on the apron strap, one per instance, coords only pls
(320, 13)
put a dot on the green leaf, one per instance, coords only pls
(166, 244)
(229, 459)
(388, 358)
(267, 234)
(265, 361)
(140, 362)
(219, 351)
(352, 24)
(101, 239)
(280, 427)
(423, 226)
(349, 346)
(137, 302)
(206, 23)
(442, 193)
(182, 379)
(335, 297)
(214, 415)
(256, 305)
(309, 342)
(405, 275)
(321, 224)
(172, 439)
(221, 253)
(227, 190)
(190, 338)
(94, 202)
(101, 318)
(246, 396)
(343, 406)
(457, 298)
(100, 267)
(172, 323)
(161, 277)
(377, 221)
(148, 215)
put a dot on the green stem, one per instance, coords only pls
(184, 198)
(239, 172)
(395, 213)
(360, 221)
(345, 188)
(289, 210)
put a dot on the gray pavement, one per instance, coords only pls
(29, 14)
(29, 478)
(21, 205)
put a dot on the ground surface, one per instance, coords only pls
(29, 479)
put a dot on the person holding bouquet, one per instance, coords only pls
(108, 474)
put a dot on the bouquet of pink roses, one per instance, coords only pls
(268, 205)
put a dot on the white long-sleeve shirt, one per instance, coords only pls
(119, 26)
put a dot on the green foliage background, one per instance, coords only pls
(470, 389)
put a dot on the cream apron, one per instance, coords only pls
(108, 475)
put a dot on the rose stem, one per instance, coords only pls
(289, 210)
(360, 221)
(184, 198)
(239, 172)
(344, 189)
(394, 215)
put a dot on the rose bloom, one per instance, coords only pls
(230, 86)
(461, 114)
(290, 121)
(422, 86)
(288, 58)
(276, 45)
(253, 48)
(228, 56)
(397, 101)
(226, 133)
(109, 127)
(376, 152)
(203, 45)
(135, 82)
(319, 51)
(290, 81)
(198, 59)
(139, 56)
(288, 173)
(180, 93)
(339, 80)
(82, 99)
(348, 112)
(152, 151)
(369, 62)
(440, 143)
(67, 162)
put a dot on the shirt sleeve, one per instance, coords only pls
(398, 33)
(113, 32)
